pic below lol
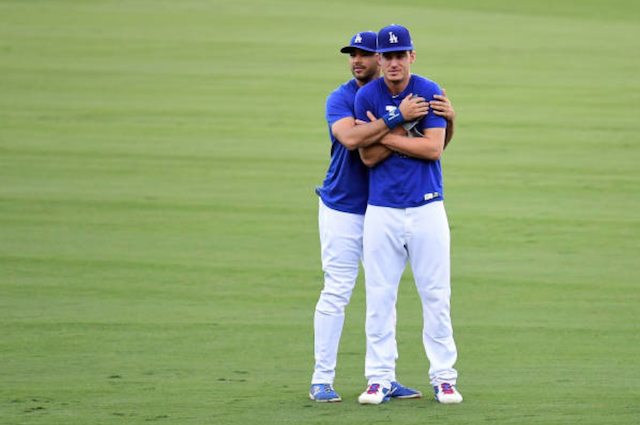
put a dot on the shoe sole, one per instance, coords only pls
(384, 400)
(329, 400)
(404, 397)
(449, 402)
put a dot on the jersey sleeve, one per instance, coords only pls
(338, 107)
(428, 89)
(364, 103)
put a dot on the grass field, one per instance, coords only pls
(159, 257)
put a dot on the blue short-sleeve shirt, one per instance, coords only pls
(401, 181)
(346, 186)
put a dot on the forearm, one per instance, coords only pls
(449, 133)
(428, 147)
(374, 154)
(365, 135)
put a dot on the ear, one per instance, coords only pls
(379, 57)
(412, 56)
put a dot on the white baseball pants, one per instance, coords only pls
(391, 237)
(341, 250)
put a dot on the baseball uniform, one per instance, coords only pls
(406, 220)
(343, 201)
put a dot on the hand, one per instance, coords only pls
(442, 106)
(413, 107)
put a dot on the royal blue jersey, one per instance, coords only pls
(346, 186)
(401, 181)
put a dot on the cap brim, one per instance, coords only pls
(349, 49)
(395, 49)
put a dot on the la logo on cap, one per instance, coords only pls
(358, 39)
(392, 37)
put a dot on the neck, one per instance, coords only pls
(367, 80)
(397, 87)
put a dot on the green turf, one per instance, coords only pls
(159, 257)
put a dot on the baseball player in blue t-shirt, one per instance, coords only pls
(405, 220)
(343, 201)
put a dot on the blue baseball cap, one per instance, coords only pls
(364, 41)
(394, 38)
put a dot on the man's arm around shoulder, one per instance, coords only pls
(354, 136)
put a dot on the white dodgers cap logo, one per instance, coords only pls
(392, 38)
(358, 39)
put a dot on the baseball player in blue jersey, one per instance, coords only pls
(405, 220)
(343, 201)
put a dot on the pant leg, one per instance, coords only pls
(429, 252)
(384, 258)
(341, 250)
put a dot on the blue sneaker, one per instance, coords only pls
(375, 394)
(323, 393)
(398, 391)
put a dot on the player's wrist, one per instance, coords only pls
(393, 118)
